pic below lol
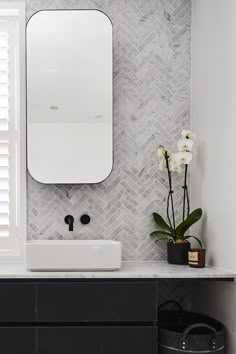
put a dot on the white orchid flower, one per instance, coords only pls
(187, 134)
(175, 166)
(162, 164)
(161, 152)
(185, 145)
(183, 158)
(161, 156)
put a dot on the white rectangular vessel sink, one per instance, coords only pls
(72, 255)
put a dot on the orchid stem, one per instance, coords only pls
(185, 190)
(168, 214)
(188, 201)
(170, 196)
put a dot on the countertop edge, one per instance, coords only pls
(129, 270)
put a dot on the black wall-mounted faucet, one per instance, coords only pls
(69, 220)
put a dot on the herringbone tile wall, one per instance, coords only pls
(152, 40)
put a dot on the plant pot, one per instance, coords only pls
(177, 253)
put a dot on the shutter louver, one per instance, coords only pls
(12, 129)
(4, 129)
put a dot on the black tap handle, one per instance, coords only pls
(69, 220)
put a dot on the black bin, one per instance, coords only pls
(188, 332)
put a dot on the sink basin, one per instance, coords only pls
(72, 255)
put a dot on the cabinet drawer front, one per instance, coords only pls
(97, 302)
(17, 302)
(17, 340)
(97, 340)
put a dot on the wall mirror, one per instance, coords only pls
(69, 96)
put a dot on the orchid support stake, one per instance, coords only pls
(184, 188)
(186, 195)
(170, 195)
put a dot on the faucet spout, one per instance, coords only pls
(69, 220)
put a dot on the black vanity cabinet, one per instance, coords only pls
(78, 317)
(17, 318)
(97, 340)
(17, 302)
(17, 339)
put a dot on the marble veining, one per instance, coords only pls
(129, 270)
(152, 46)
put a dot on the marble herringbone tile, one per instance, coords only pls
(151, 106)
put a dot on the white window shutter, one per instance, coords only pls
(10, 134)
(4, 128)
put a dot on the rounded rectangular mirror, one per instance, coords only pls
(69, 96)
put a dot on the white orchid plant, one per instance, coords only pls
(177, 162)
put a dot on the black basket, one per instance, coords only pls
(188, 332)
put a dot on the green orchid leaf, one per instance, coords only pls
(186, 224)
(164, 238)
(161, 222)
(158, 233)
(196, 238)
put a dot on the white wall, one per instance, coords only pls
(218, 299)
(214, 121)
(214, 172)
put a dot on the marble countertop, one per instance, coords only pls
(143, 270)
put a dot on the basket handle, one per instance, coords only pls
(184, 341)
(170, 302)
